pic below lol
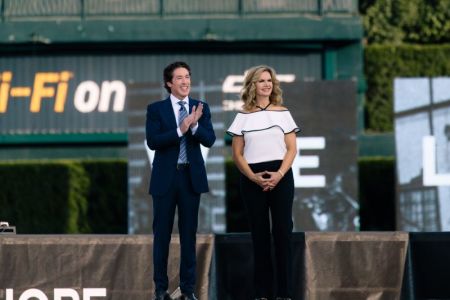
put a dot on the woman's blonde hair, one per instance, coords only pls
(248, 93)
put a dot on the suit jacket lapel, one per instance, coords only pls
(191, 103)
(168, 110)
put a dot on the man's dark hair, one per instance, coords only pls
(168, 72)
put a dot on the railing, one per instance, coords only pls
(29, 9)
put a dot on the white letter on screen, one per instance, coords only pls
(66, 293)
(308, 162)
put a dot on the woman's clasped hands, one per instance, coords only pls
(267, 180)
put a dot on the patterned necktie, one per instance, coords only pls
(182, 157)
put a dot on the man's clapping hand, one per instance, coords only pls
(186, 124)
(196, 114)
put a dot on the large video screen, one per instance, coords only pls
(422, 135)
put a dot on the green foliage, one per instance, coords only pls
(44, 197)
(107, 194)
(407, 21)
(377, 193)
(77, 201)
(364, 5)
(383, 63)
(64, 196)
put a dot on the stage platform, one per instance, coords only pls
(327, 265)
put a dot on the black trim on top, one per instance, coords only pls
(252, 112)
(296, 130)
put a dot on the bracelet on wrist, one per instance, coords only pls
(281, 173)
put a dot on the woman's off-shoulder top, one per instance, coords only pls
(263, 133)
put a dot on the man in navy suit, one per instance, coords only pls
(175, 129)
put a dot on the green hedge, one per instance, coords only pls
(406, 21)
(376, 196)
(384, 63)
(64, 196)
(107, 196)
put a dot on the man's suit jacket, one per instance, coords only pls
(162, 136)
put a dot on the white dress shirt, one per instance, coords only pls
(176, 111)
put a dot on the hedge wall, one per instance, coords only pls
(384, 63)
(107, 196)
(376, 196)
(406, 21)
(64, 196)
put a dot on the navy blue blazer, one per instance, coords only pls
(162, 136)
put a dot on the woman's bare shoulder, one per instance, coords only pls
(278, 107)
(245, 111)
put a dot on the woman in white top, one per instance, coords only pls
(264, 147)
